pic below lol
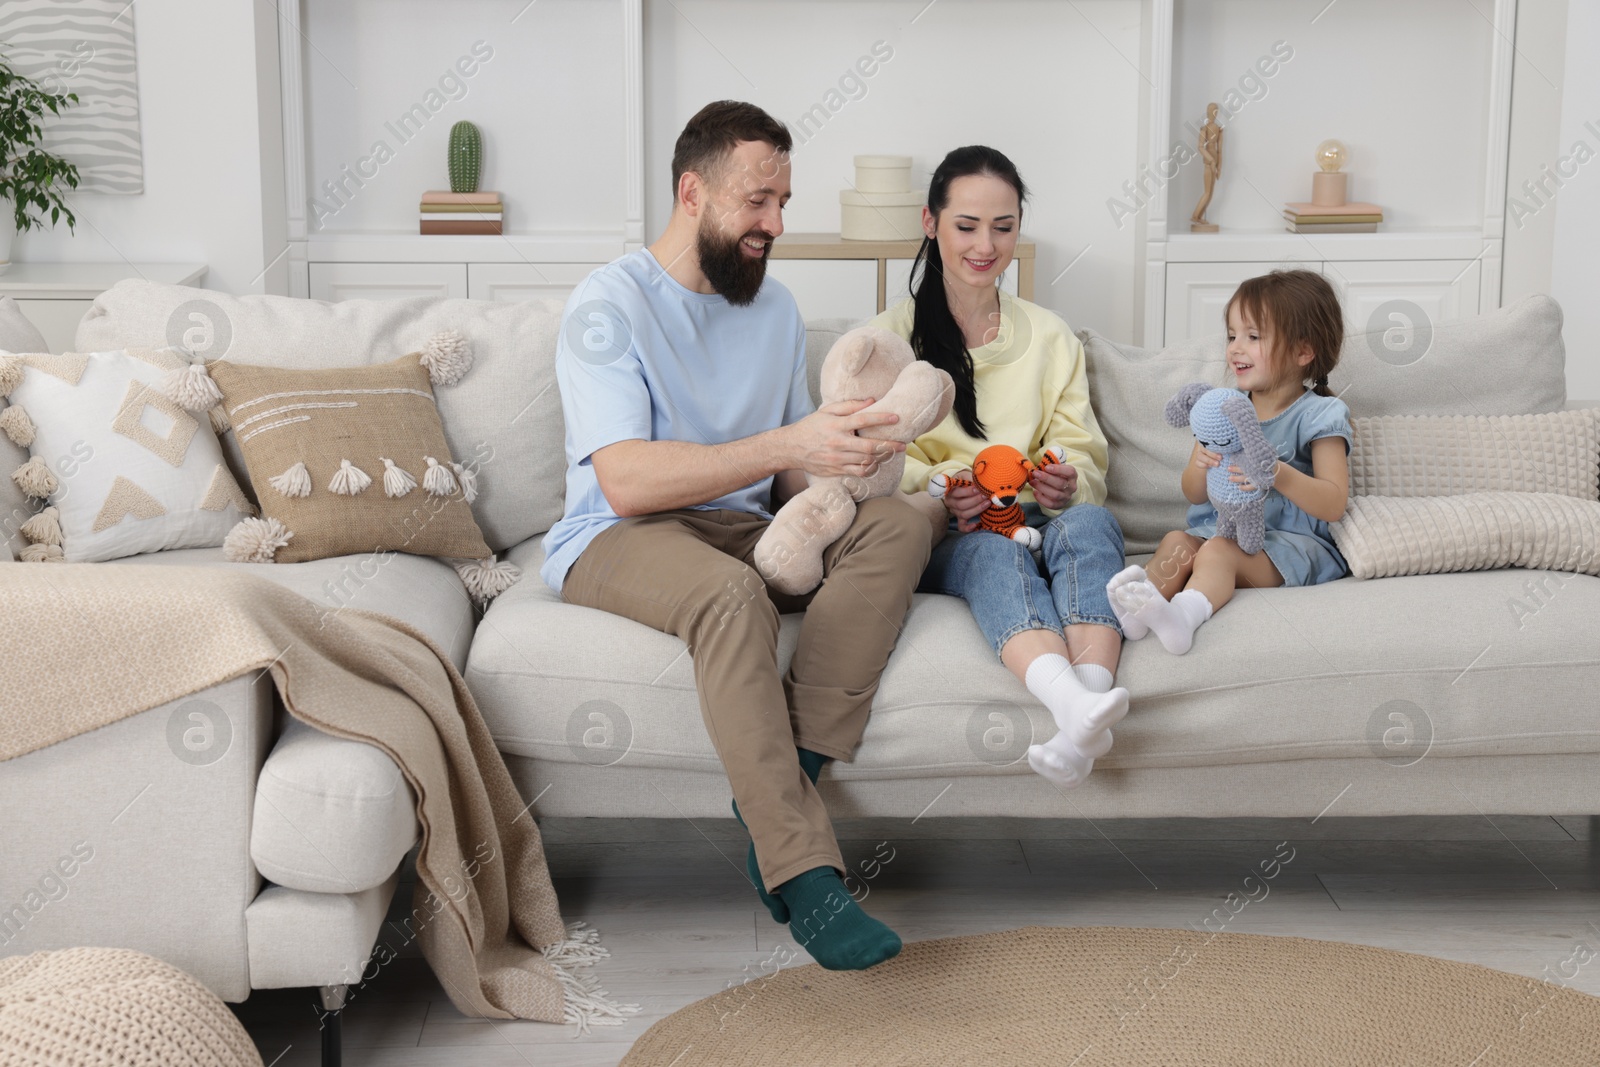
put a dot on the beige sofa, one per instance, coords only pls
(272, 866)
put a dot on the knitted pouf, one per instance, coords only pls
(113, 1006)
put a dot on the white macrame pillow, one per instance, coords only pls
(117, 466)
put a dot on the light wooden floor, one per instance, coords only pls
(1518, 893)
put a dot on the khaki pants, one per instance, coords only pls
(688, 573)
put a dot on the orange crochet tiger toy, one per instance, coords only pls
(1001, 471)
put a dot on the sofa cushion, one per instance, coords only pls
(417, 590)
(1382, 536)
(1457, 368)
(378, 424)
(506, 413)
(331, 815)
(316, 939)
(1303, 673)
(1442, 455)
(129, 470)
(821, 335)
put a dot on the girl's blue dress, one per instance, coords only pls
(1299, 546)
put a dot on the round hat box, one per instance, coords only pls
(880, 216)
(883, 174)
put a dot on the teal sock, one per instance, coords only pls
(831, 926)
(812, 763)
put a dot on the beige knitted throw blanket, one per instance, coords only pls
(88, 644)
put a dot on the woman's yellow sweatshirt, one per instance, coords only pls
(1033, 392)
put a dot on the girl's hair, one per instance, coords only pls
(1297, 307)
(935, 335)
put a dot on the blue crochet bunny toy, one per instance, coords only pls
(1224, 421)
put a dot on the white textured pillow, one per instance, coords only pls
(1384, 536)
(125, 469)
(1445, 455)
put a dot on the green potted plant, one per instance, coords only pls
(31, 179)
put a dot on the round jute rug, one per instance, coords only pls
(1102, 996)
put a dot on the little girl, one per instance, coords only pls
(1284, 330)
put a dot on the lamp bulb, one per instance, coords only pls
(1331, 155)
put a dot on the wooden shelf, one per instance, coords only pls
(832, 246)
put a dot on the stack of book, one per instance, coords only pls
(1320, 218)
(461, 213)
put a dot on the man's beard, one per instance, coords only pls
(734, 275)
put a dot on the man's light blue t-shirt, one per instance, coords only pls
(643, 358)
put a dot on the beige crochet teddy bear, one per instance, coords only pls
(864, 362)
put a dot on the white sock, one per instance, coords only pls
(1174, 622)
(1083, 715)
(1094, 678)
(1059, 760)
(1125, 601)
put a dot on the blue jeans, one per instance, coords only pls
(1009, 592)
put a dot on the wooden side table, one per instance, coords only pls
(832, 246)
(54, 296)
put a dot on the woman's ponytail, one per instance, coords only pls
(937, 338)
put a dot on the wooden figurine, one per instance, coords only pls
(1211, 155)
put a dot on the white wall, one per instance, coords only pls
(203, 69)
(1538, 72)
(1575, 269)
(1055, 86)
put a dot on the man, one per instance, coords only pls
(683, 380)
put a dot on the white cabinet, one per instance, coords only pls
(386, 281)
(1376, 295)
(525, 281)
(1198, 294)
(1379, 297)
(55, 296)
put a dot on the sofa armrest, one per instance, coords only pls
(331, 815)
(136, 835)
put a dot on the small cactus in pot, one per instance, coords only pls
(466, 157)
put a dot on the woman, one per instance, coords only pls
(1020, 380)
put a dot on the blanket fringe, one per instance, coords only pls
(586, 1003)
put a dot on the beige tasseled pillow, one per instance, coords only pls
(354, 460)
